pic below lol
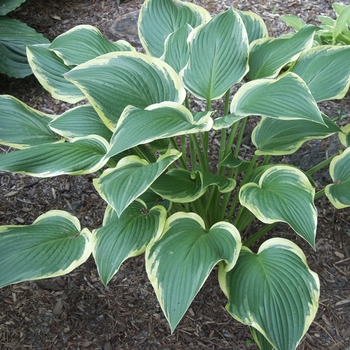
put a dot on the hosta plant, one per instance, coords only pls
(151, 150)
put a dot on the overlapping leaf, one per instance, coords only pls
(285, 194)
(254, 24)
(218, 56)
(80, 156)
(52, 246)
(339, 192)
(126, 236)
(169, 16)
(138, 80)
(131, 177)
(22, 126)
(274, 291)
(180, 261)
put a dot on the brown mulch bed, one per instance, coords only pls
(76, 311)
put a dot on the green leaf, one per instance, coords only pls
(80, 156)
(49, 70)
(176, 52)
(22, 126)
(287, 97)
(7, 6)
(268, 56)
(139, 126)
(344, 135)
(339, 192)
(132, 176)
(126, 236)
(260, 340)
(284, 194)
(254, 24)
(293, 21)
(52, 246)
(138, 80)
(326, 71)
(342, 22)
(83, 43)
(273, 291)
(169, 16)
(181, 260)
(226, 121)
(218, 56)
(280, 137)
(79, 122)
(14, 36)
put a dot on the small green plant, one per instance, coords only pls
(14, 37)
(166, 197)
(331, 32)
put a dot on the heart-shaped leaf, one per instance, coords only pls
(126, 236)
(82, 155)
(218, 56)
(169, 16)
(266, 97)
(339, 192)
(326, 71)
(52, 246)
(274, 291)
(284, 193)
(181, 260)
(138, 80)
(132, 176)
(22, 126)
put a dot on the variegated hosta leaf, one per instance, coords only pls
(293, 21)
(326, 71)
(254, 24)
(268, 56)
(226, 121)
(176, 52)
(180, 185)
(52, 246)
(7, 6)
(218, 56)
(284, 193)
(280, 137)
(83, 43)
(116, 80)
(14, 36)
(131, 177)
(126, 236)
(168, 16)
(22, 126)
(344, 135)
(49, 70)
(181, 260)
(342, 22)
(162, 120)
(273, 291)
(260, 340)
(287, 97)
(339, 192)
(79, 122)
(80, 156)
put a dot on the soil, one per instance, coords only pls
(76, 311)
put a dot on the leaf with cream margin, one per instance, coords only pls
(162, 120)
(168, 16)
(83, 43)
(339, 192)
(132, 176)
(283, 194)
(273, 291)
(116, 80)
(83, 155)
(22, 126)
(218, 56)
(268, 97)
(254, 25)
(53, 245)
(180, 261)
(344, 135)
(126, 236)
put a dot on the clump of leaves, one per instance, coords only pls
(165, 196)
(14, 37)
(332, 31)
